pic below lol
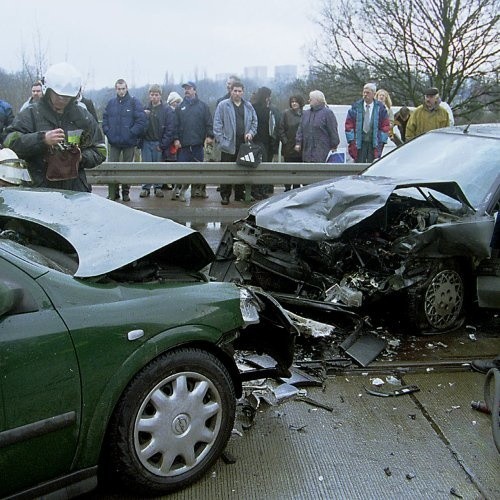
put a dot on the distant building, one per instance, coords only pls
(222, 77)
(255, 72)
(285, 72)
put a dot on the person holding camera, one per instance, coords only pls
(56, 136)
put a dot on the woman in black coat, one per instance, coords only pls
(287, 129)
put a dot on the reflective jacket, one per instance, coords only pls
(26, 137)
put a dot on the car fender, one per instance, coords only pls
(94, 425)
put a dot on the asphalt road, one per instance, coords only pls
(345, 442)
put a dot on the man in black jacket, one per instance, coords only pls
(193, 126)
(158, 136)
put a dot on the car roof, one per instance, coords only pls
(106, 235)
(479, 129)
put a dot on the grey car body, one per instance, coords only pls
(415, 226)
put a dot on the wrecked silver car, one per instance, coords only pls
(411, 232)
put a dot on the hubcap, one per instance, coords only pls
(180, 424)
(443, 299)
(177, 424)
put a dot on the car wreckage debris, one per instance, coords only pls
(298, 379)
(401, 391)
(363, 348)
(313, 402)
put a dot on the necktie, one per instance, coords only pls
(366, 119)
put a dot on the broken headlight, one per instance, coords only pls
(249, 307)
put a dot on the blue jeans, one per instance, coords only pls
(150, 153)
(189, 154)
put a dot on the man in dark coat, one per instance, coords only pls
(193, 125)
(268, 118)
(56, 126)
(158, 136)
(124, 121)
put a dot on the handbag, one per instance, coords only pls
(62, 164)
(336, 157)
(249, 155)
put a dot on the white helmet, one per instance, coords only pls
(63, 79)
(12, 169)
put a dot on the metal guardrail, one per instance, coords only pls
(218, 173)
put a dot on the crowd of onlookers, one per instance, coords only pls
(58, 135)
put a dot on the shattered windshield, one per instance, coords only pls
(471, 161)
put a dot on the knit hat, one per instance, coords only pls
(172, 97)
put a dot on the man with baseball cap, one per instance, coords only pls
(428, 116)
(193, 122)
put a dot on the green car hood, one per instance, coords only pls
(106, 235)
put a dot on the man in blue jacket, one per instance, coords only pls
(6, 117)
(124, 122)
(193, 122)
(367, 126)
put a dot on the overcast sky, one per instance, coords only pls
(141, 40)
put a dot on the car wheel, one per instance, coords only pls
(172, 422)
(438, 304)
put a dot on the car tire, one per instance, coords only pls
(437, 305)
(172, 422)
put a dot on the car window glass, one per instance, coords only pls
(470, 161)
(39, 244)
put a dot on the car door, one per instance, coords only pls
(39, 385)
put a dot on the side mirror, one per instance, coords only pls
(9, 298)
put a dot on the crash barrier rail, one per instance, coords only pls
(218, 173)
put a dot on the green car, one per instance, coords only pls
(116, 351)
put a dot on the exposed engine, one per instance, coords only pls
(372, 258)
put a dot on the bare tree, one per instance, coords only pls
(35, 65)
(407, 45)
